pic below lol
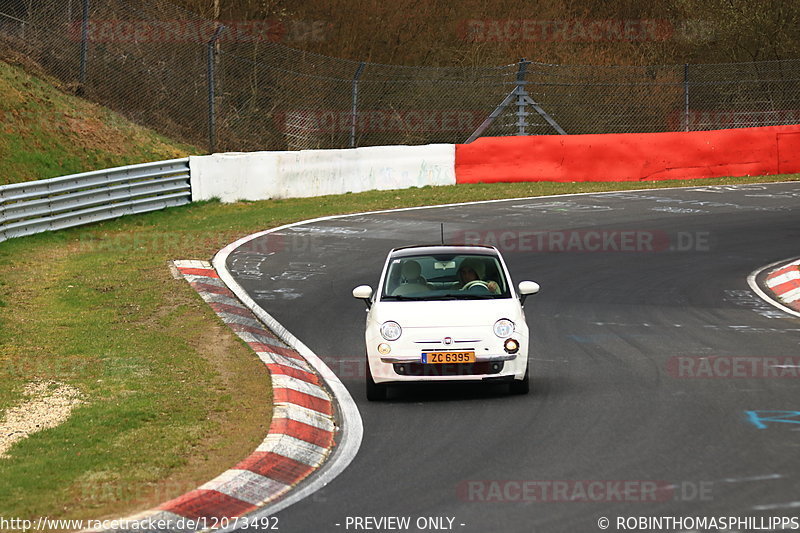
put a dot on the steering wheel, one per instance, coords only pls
(476, 283)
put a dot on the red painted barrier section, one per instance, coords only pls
(630, 156)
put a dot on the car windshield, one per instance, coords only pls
(445, 277)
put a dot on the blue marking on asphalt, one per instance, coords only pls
(758, 418)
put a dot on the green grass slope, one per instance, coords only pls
(47, 133)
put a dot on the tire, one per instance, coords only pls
(376, 392)
(523, 386)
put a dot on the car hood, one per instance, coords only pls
(448, 313)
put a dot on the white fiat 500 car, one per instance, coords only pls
(445, 313)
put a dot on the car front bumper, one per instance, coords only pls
(409, 368)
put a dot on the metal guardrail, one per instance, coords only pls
(77, 199)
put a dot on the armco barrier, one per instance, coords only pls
(56, 203)
(36, 206)
(631, 157)
(262, 175)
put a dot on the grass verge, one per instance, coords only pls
(171, 398)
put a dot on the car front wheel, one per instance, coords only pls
(523, 386)
(375, 391)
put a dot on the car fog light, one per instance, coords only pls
(400, 369)
(384, 348)
(511, 346)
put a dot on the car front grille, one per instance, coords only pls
(453, 369)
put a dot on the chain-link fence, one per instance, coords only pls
(232, 86)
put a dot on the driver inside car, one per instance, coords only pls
(471, 272)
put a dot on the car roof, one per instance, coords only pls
(433, 249)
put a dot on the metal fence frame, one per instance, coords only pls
(78, 199)
(206, 83)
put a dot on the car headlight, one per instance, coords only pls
(503, 328)
(391, 331)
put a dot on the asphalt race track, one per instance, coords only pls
(648, 351)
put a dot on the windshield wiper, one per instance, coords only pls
(459, 296)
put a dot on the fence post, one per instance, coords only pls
(521, 97)
(84, 47)
(212, 112)
(686, 97)
(354, 109)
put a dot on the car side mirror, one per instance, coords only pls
(363, 292)
(527, 288)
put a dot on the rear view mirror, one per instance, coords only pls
(363, 292)
(527, 288)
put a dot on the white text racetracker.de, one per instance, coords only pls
(399, 523)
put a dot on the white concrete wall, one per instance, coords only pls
(263, 175)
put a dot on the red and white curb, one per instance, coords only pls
(350, 430)
(301, 434)
(784, 282)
